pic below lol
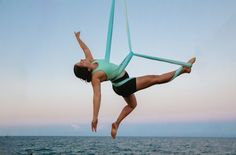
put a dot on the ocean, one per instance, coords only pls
(14, 145)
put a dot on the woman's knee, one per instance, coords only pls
(131, 101)
(133, 105)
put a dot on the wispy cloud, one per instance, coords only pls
(75, 126)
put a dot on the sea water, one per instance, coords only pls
(122, 145)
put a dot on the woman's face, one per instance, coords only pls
(84, 63)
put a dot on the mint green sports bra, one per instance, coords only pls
(107, 67)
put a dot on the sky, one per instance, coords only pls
(39, 94)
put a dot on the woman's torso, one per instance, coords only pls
(106, 67)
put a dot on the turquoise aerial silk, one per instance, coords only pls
(128, 58)
(127, 26)
(109, 33)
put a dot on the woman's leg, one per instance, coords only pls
(149, 80)
(141, 83)
(131, 104)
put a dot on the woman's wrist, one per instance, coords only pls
(95, 119)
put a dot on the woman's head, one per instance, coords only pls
(83, 72)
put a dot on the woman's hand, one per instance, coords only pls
(77, 34)
(86, 50)
(94, 125)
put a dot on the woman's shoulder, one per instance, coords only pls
(99, 74)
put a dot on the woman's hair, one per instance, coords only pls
(82, 73)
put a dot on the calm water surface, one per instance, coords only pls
(122, 145)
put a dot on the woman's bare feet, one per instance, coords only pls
(188, 69)
(114, 128)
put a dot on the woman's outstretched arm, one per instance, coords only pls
(96, 101)
(87, 52)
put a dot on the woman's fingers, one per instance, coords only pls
(77, 34)
(94, 126)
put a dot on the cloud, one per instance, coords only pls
(75, 126)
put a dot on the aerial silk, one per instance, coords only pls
(127, 59)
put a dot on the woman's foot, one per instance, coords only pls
(114, 128)
(188, 69)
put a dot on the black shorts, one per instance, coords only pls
(127, 88)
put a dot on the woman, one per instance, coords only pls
(97, 71)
